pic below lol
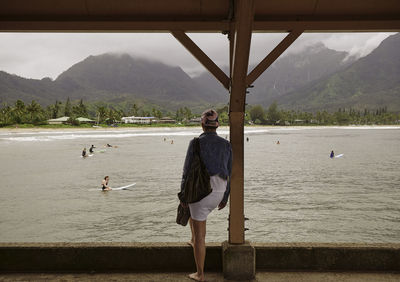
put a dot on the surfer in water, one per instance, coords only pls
(332, 155)
(91, 149)
(84, 153)
(104, 184)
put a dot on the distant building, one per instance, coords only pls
(166, 120)
(85, 120)
(195, 121)
(61, 120)
(138, 120)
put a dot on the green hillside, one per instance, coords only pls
(370, 82)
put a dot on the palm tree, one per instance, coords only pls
(34, 109)
(19, 111)
(6, 115)
(102, 113)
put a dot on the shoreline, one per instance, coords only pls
(94, 129)
(150, 128)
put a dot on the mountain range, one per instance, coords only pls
(317, 78)
(370, 82)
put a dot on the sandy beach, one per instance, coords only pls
(94, 129)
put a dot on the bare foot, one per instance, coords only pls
(190, 243)
(196, 277)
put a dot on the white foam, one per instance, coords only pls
(27, 139)
(96, 136)
(45, 136)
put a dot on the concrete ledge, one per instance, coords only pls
(174, 257)
(104, 257)
(328, 257)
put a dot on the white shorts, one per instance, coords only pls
(201, 209)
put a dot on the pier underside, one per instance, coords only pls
(238, 19)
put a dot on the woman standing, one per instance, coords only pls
(216, 154)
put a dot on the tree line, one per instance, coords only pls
(35, 114)
(275, 116)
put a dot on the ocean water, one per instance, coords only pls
(293, 191)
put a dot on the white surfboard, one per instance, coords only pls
(123, 187)
(115, 189)
(339, 156)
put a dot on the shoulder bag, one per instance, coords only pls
(197, 182)
(182, 215)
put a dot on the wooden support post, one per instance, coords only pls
(244, 14)
(236, 213)
(271, 57)
(201, 57)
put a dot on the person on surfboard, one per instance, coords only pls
(104, 184)
(91, 149)
(84, 153)
(332, 154)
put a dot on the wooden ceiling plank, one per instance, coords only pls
(372, 25)
(111, 26)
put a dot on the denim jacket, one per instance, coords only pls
(216, 153)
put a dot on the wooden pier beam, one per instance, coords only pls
(243, 23)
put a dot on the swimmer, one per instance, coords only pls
(277, 143)
(247, 139)
(104, 184)
(332, 154)
(91, 149)
(172, 141)
(84, 153)
(108, 145)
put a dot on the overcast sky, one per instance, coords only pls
(38, 55)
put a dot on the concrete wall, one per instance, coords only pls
(107, 257)
(328, 257)
(167, 257)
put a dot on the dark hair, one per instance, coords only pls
(105, 177)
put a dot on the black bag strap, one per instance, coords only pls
(196, 146)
